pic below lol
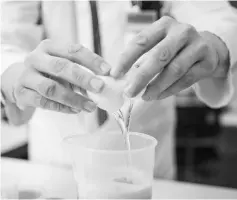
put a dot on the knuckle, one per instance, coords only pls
(188, 80)
(79, 78)
(78, 75)
(165, 54)
(74, 48)
(186, 31)
(48, 88)
(176, 69)
(167, 19)
(45, 43)
(59, 65)
(167, 22)
(141, 39)
(189, 29)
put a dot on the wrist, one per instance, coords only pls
(222, 54)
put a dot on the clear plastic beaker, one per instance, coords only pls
(9, 189)
(105, 169)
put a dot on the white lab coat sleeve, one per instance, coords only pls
(219, 18)
(20, 33)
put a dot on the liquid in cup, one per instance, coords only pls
(119, 187)
(100, 165)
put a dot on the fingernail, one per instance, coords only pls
(146, 98)
(90, 106)
(105, 67)
(96, 84)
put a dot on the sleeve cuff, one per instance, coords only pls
(215, 92)
(226, 30)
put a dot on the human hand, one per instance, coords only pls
(169, 57)
(50, 74)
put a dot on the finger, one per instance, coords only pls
(196, 73)
(141, 43)
(79, 54)
(177, 68)
(27, 97)
(66, 70)
(54, 91)
(141, 60)
(158, 58)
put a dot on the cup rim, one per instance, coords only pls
(153, 144)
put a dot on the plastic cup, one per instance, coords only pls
(9, 189)
(12, 190)
(101, 165)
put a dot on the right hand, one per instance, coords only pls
(50, 74)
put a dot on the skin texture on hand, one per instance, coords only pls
(49, 76)
(17, 116)
(169, 57)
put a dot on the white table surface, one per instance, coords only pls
(59, 182)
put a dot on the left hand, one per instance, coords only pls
(170, 57)
(12, 115)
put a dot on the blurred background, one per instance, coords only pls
(206, 139)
